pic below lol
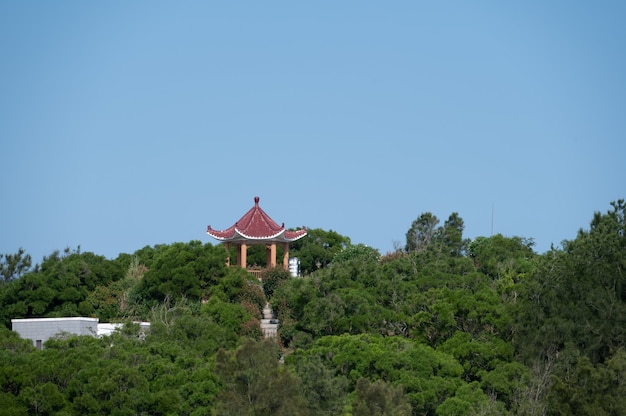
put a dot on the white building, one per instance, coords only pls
(39, 330)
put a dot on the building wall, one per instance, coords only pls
(39, 330)
(106, 329)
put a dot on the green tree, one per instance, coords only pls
(227, 315)
(59, 287)
(119, 299)
(272, 279)
(425, 235)
(12, 266)
(470, 400)
(43, 399)
(578, 295)
(442, 311)
(326, 393)
(422, 232)
(585, 389)
(183, 269)
(358, 252)
(427, 376)
(380, 399)
(255, 383)
(15, 374)
(451, 236)
(317, 249)
(503, 257)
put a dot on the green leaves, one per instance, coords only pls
(422, 233)
(317, 249)
(359, 252)
(380, 399)
(571, 314)
(326, 393)
(227, 315)
(587, 389)
(428, 376)
(577, 295)
(12, 266)
(255, 383)
(58, 287)
(272, 279)
(503, 257)
(425, 235)
(183, 269)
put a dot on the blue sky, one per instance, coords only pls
(126, 124)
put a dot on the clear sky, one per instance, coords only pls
(126, 124)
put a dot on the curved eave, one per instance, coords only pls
(237, 236)
(295, 235)
(223, 235)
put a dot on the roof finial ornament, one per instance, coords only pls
(256, 200)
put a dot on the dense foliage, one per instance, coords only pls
(445, 326)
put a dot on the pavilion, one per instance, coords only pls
(256, 228)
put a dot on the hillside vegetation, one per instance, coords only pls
(441, 326)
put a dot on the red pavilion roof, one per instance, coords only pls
(256, 225)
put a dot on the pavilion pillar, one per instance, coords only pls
(286, 256)
(271, 255)
(242, 258)
(227, 246)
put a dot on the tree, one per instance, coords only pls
(12, 266)
(272, 279)
(59, 287)
(503, 257)
(227, 315)
(317, 249)
(578, 295)
(380, 399)
(255, 383)
(358, 252)
(451, 236)
(428, 376)
(183, 269)
(325, 393)
(119, 298)
(586, 389)
(422, 232)
(425, 234)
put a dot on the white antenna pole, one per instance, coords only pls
(492, 208)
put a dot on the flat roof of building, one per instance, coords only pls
(74, 318)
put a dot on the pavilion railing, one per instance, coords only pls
(258, 273)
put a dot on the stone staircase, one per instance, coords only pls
(269, 323)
